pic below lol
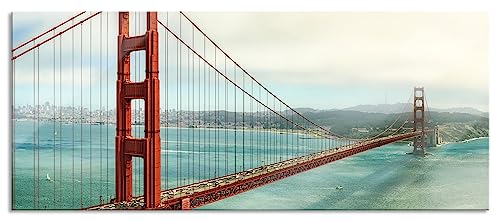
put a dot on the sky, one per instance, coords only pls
(320, 60)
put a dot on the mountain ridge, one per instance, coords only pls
(397, 108)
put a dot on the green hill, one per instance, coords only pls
(362, 124)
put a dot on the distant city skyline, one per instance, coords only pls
(173, 109)
(321, 60)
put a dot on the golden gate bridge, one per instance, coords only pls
(228, 132)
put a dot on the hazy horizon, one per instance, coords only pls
(333, 108)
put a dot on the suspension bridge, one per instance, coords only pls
(146, 111)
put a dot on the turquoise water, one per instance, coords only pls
(454, 177)
(79, 159)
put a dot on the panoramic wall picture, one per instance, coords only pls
(249, 110)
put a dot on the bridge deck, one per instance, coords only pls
(208, 191)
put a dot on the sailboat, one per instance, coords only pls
(48, 177)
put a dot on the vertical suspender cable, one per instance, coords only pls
(275, 132)
(54, 119)
(34, 129)
(60, 122)
(292, 134)
(280, 134)
(262, 133)
(272, 119)
(166, 107)
(178, 112)
(188, 130)
(243, 120)
(199, 120)
(209, 121)
(235, 121)
(309, 143)
(265, 126)
(38, 130)
(205, 115)
(304, 136)
(225, 120)
(100, 109)
(298, 143)
(216, 119)
(90, 111)
(73, 116)
(268, 131)
(252, 131)
(287, 137)
(216, 104)
(262, 153)
(189, 114)
(193, 109)
(180, 104)
(272, 135)
(305, 143)
(81, 115)
(107, 108)
(13, 141)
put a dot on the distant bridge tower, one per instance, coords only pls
(147, 147)
(419, 142)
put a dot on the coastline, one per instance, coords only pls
(462, 141)
(239, 129)
(472, 139)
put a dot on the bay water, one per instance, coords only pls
(66, 166)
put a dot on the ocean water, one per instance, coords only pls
(79, 160)
(454, 177)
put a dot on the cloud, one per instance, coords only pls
(340, 48)
(382, 51)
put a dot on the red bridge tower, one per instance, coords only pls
(127, 146)
(419, 121)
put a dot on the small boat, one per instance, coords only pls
(48, 177)
(339, 187)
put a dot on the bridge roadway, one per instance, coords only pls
(208, 191)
